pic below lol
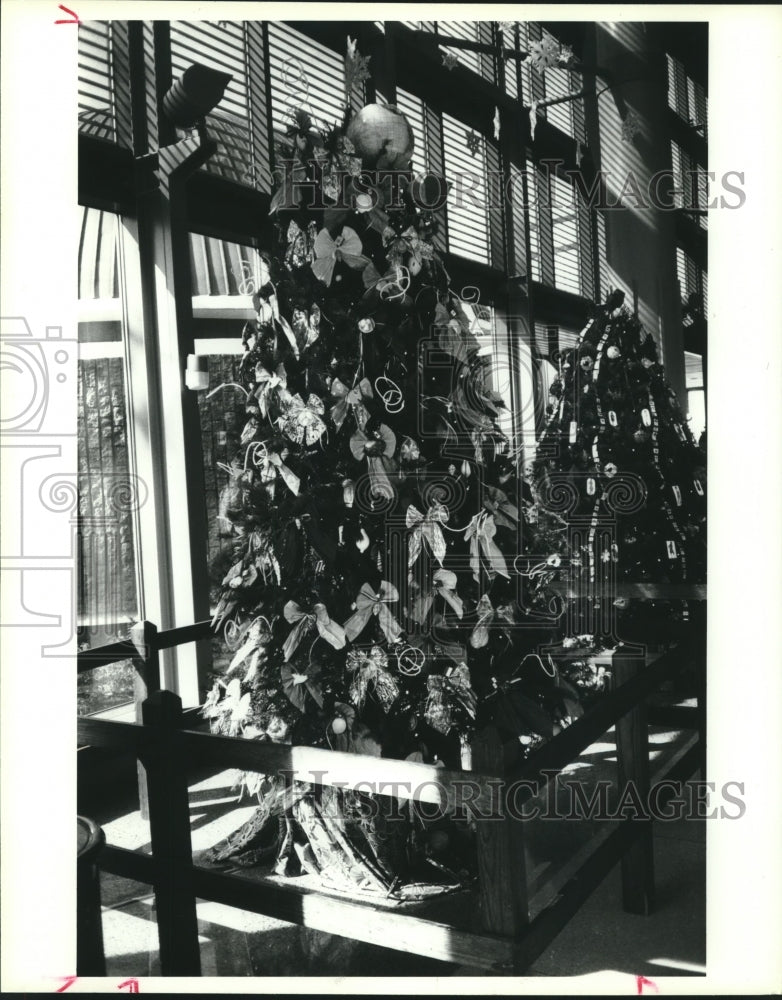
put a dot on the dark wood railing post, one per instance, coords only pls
(146, 681)
(169, 822)
(632, 754)
(503, 891)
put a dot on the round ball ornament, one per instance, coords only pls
(338, 725)
(382, 137)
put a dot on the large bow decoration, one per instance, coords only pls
(271, 465)
(378, 451)
(306, 326)
(480, 534)
(428, 528)
(347, 398)
(371, 667)
(302, 421)
(443, 585)
(486, 612)
(506, 514)
(328, 250)
(446, 691)
(369, 603)
(408, 242)
(295, 683)
(302, 622)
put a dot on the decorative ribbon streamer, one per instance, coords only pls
(480, 534)
(302, 422)
(445, 692)
(295, 683)
(666, 507)
(429, 528)
(302, 622)
(393, 399)
(348, 398)
(369, 603)
(346, 247)
(271, 465)
(267, 383)
(371, 668)
(443, 584)
(378, 451)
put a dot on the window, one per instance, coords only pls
(304, 73)
(471, 31)
(96, 98)
(691, 184)
(687, 97)
(696, 403)
(108, 593)
(468, 217)
(693, 280)
(550, 84)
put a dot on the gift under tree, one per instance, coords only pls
(372, 516)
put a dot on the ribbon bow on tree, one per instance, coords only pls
(486, 615)
(369, 603)
(295, 683)
(351, 397)
(428, 528)
(408, 242)
(480, 534)
(506, 514)
(302, 622)
(302, 422)
(446, 692)
(306, 326)
(271, 465)
(371, 668)
(378, 451)
(328, 250)
(267, 383)
(443, 584)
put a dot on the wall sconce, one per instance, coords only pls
(197, 92)
(197, 372)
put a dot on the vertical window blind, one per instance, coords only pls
(304, 73)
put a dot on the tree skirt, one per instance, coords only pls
(348, 841)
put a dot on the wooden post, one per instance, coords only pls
(504, 904)
(169, 822)
(145, 682)
(632, 754)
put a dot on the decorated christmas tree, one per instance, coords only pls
(373, 597)
(618, 462)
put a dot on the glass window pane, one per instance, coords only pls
(107, 596)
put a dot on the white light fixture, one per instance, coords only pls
(197, 372)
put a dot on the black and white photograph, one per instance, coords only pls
(392, 560)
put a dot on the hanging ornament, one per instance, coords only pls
(338, 725)
(410, 662)
(362, 543)
(348, 492)
(473, 142)
(590, 484)
(410, 451)
(613, 352)
(610, 469)
(466, 469)
(587, 363)
(573, 432)
(390, 394)
(366, 325)
(646, 417)
(450, 60)
(382, 137)
(544, 54)
(612, 418)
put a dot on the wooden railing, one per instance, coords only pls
(508, 938)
